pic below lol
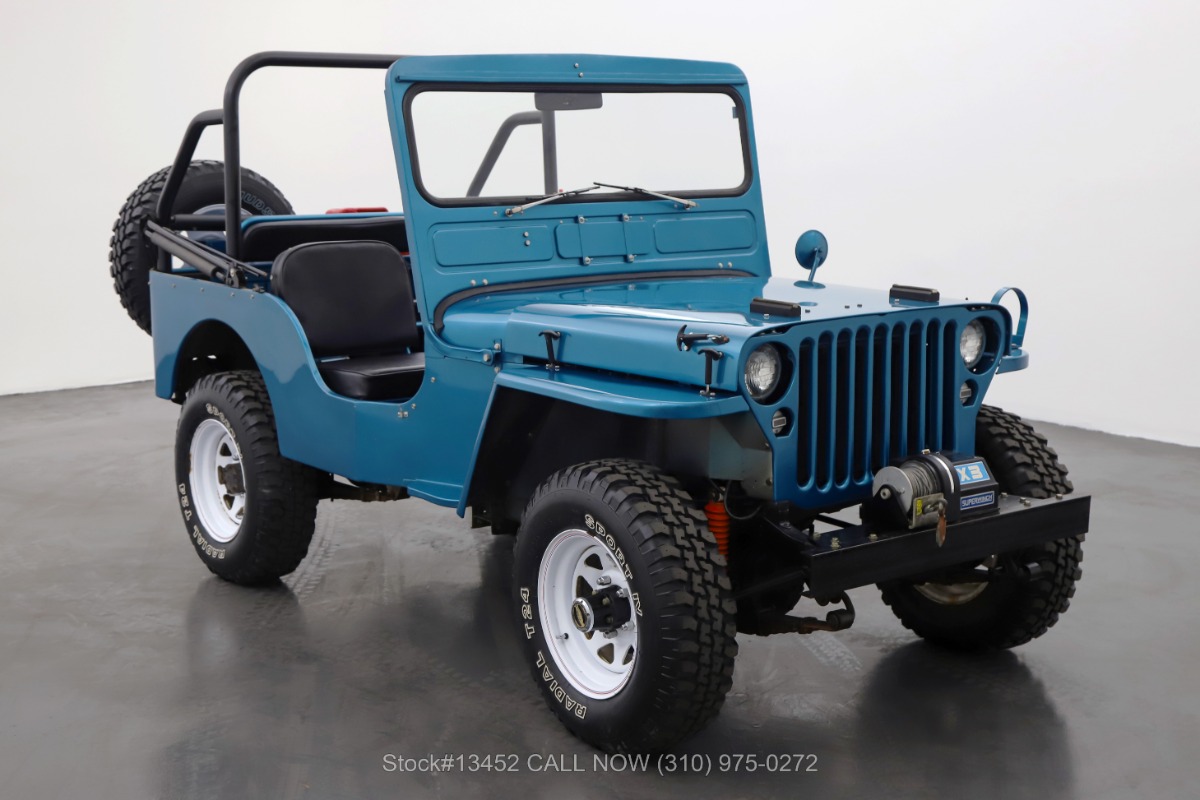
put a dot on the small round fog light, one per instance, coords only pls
(966, 393)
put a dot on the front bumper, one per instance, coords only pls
(850, 557)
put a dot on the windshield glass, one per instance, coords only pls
(513, 146)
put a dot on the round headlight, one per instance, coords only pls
(970, 345)
(763, 369)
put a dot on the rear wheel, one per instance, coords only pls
(131, 258)
(249, 512)
(1026, 590)
(624, 606)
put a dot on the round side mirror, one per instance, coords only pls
(812, 248)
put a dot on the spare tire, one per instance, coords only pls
(131, 258)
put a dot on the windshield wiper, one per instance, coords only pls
(508, 212)
(638, 190)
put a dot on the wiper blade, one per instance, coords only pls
(639, 190)
(508, 212)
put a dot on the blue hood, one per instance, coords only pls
(631, 328)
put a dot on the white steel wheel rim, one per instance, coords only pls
(955, 594)
(951, 594)
(574, 564)
(218, 496)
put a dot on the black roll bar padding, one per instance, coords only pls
(497, 146)
(233, 88)
(212, 263)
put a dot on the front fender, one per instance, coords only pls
(540, 420)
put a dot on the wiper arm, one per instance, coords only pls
(508, 212)
(638, 190)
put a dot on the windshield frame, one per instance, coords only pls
(488, 201)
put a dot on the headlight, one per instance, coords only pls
(763, 369)
(970, 344)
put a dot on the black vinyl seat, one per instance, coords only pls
(267, 237)
(355, 303)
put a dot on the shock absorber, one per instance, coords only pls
(718, 523)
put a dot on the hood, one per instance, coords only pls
(633, 328)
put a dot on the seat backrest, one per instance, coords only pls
(352, 298)
(266, 237)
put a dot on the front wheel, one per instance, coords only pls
(249, 512)
(624, 606)
(1027, 590)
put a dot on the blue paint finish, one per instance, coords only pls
(272, 333)
(602, 239)
(606, 238)
(848, 412)
(561, 68)
(619, 395)
(851, 416)
(426, 451)
(486, 245)
(1015, 358)
(707, 232)
(435, 281)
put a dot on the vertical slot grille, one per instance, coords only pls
(870, 395)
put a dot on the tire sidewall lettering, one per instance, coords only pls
(256, 203)
(603, 534)
(569, 703)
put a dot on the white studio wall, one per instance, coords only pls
(960, 146)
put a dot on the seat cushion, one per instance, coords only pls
(392, 377)
(267, 237)
(352, 298)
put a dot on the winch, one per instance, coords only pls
(932, 489)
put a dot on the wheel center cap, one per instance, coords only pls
(231, 477)
(605, 610)
(582, 615)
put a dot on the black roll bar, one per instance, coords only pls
(162, 214)
(497, 147)
(500, 140)
(228, 116)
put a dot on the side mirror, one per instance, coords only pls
(812, 248)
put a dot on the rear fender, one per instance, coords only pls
(262, 333)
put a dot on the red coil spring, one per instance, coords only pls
(718, 523)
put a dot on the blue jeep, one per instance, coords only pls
(573, 333)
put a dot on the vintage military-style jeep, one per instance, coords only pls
(573, 333)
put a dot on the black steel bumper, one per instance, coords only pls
(851, 557)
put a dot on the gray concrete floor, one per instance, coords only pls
(127, 671)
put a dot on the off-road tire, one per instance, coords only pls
(131, 258)
(280, 494)
(686, 629)
(1013, 609)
